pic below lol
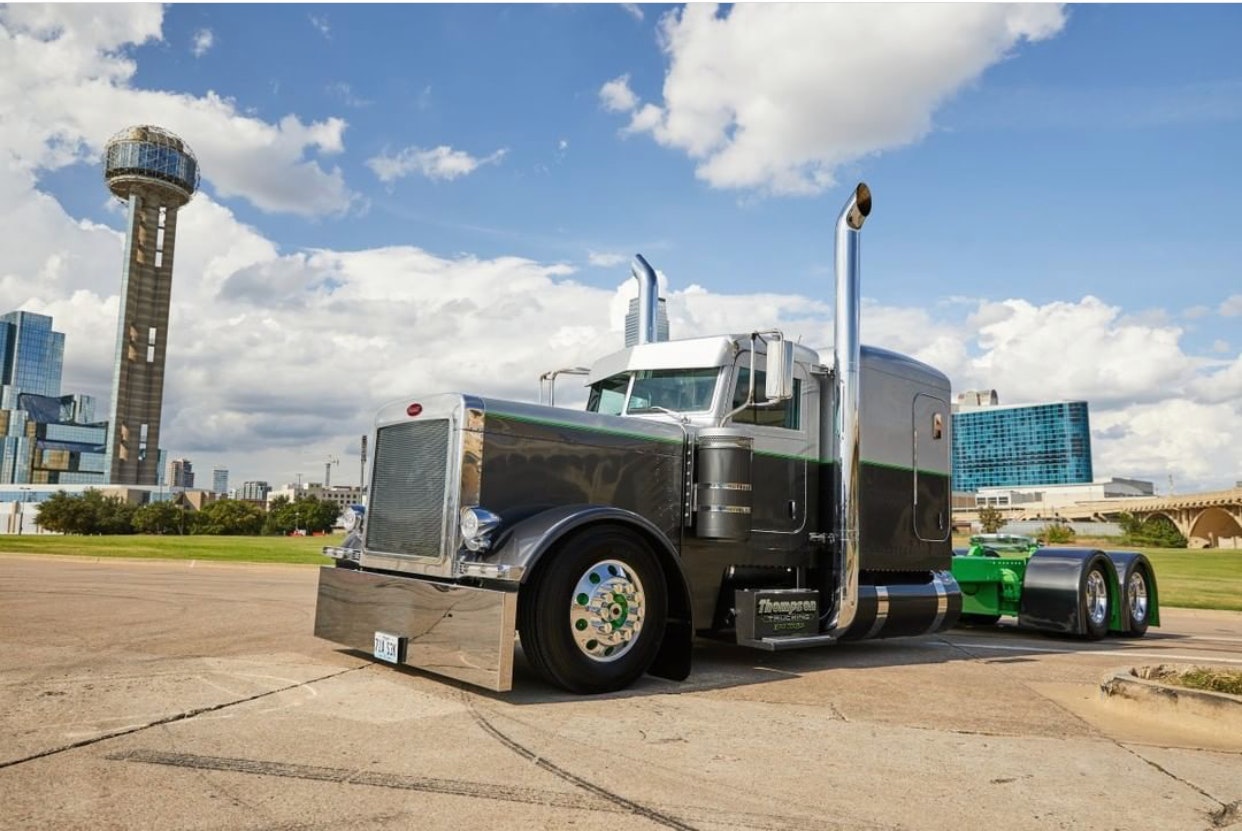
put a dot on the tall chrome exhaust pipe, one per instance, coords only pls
(648, 298)
(846, 360)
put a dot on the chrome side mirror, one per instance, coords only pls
(779, 378)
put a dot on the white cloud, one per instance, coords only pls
(320, 22)
(1232, 307)
(1193, 442)
(616, 95)
(441, 162)
(776, 97)
(202, 42)
(633, 10)
(65, 85)
(1082, 350)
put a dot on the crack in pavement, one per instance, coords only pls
(559, 772)
(188, 714)
(1227, 812)
(676, 817)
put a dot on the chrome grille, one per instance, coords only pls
(405, 514)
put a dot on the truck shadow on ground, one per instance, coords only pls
(719, 665)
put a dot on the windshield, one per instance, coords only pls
(680, 390)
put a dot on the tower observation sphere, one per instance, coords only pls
(154, 173)
(150, 157)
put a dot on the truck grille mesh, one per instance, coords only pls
(405, 514)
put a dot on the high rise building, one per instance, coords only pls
(180, 474)
(31, 357)
(1015, 445)
(154, 173)
(45, 438)
(631, 322)
(219, 481)
(256, 491)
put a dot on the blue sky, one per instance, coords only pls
(1056, 201)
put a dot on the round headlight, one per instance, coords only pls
(476, 526)
(469, 524)
(351, 519)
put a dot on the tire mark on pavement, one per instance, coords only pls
(188, 714)
(355, 776)
(574, 801)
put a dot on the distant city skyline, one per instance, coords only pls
(1055, 203)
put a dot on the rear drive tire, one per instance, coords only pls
(1094, 606)
(1138, 602)
(592, 618)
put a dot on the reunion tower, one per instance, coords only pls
(154, 173)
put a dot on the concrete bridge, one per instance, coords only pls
(1207, 520)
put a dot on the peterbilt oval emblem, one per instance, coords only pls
(413, 410)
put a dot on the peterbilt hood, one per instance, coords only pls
(440, 453)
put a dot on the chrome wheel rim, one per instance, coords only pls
(606, 611)
(1136, 592)
(1097, 597)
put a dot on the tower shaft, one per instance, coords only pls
(142, 338)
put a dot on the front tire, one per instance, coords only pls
(592, 617)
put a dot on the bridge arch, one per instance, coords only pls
(1171, 516)
(1213, 525)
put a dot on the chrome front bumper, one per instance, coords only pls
(460, 632)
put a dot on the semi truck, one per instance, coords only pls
(739, 487)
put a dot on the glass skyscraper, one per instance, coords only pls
(45, 438)
(32, 357)
(1032, 444)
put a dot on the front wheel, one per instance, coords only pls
(592, 617)
(1093, 603)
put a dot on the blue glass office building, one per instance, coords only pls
(1034, 444)
(45, 437)
(32, 356)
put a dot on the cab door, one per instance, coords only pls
(932, 486)
(782, 445)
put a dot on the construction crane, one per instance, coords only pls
(327, 471)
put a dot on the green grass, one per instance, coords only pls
(1198, 578)
(221, 549)
(1203, 678)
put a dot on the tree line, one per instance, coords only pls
(94, 513)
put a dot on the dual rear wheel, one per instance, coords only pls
(1095, 604)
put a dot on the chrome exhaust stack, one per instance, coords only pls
(648, 299)
(846, 361)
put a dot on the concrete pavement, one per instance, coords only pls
(138, 694)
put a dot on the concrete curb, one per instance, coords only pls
(1133, 689)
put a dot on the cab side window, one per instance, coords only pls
(787, 414)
